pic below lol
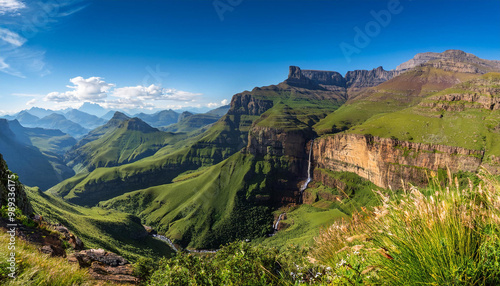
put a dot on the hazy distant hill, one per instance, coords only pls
(59, 121)
(86, 120)
(160, 118)
(35, 153)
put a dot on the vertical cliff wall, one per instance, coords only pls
(389, 162)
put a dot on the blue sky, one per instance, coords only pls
(153, 54)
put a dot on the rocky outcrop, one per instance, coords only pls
(359, 79)
(461, 102)
(452, 60)
(247, 104)
(389, 162)
(334, 81)
(275, 142)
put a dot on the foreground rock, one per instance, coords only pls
(105, 265)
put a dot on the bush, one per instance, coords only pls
(144, 267)
(239, 263)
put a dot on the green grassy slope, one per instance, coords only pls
(399, 93)
(99, 228)
(206, 208)
(130, 141)
(451, 122)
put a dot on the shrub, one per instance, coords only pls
(239, 263)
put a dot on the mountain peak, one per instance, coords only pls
(137, 124)
(453, 60)
(120, 116)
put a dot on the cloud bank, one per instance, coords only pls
(97, 90)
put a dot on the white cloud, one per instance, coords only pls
(11, 38)
(153, 92)
(60, 97)
(96, 90)
(212, 105)
(31, 102)
(10, 6)
(6, 68)
(91, 89)
(3, 65)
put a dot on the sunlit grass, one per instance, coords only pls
(434, 236)
(36, 268)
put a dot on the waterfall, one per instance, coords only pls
(304, 186)
(278, 221)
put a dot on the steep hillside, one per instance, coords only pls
(30, 153)
(192, 122)
(99, 228)
(8, 181)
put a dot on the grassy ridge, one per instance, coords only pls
(399, 93)
(468, 126)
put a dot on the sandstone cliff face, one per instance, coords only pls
(389, 162)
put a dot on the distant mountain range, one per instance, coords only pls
(77, 122)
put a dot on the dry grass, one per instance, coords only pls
(36, 268)
(436, 236)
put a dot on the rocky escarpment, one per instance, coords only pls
(452, 60)
(248, 104)
(461, 102)
(271, 141)
(353, 81)
(329, 80)
(389, 162)
(359, 79)
(478, 93)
